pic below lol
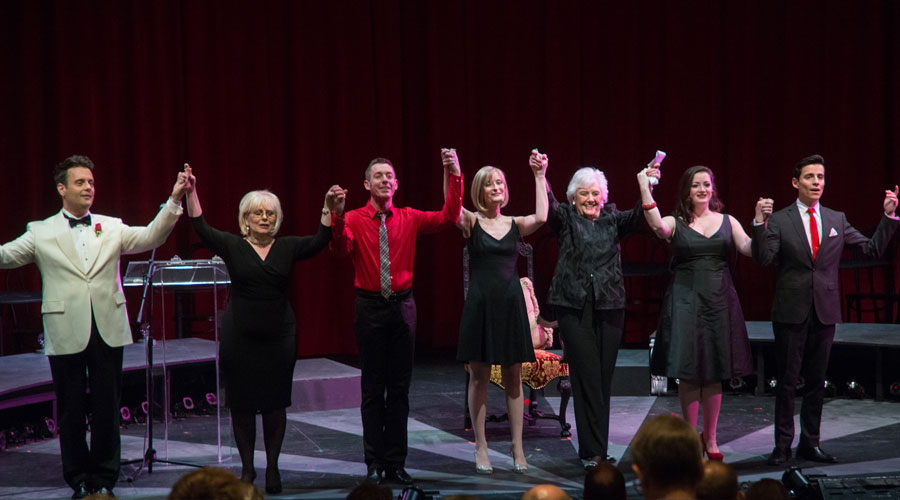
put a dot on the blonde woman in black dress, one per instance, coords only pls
(494, 328)
(258, 341)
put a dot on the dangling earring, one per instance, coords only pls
(247, 229)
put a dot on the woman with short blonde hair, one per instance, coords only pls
(258, 340)
(494, 328)
(257, 200)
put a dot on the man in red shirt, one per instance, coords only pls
(381, 240)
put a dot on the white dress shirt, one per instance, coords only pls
(80, 234)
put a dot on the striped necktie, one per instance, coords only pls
(385, 258)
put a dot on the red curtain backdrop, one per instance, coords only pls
(295, 96)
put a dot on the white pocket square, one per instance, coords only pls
(832, 234)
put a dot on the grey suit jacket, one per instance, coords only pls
(801, 281)
(69, 291)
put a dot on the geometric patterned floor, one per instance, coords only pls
(322, 456)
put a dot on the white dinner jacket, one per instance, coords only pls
(70, 291)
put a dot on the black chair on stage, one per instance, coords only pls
(645, 269)
(874, 290)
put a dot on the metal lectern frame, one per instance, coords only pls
(178, 274)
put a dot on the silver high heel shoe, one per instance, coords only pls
(482, 469)
(517, 467)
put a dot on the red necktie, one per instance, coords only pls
(813, 231)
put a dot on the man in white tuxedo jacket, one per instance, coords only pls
(85, 320)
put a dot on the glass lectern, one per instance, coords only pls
(176, 275)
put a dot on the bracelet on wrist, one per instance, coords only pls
(649, 206)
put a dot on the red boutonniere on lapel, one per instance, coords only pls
(98, 230)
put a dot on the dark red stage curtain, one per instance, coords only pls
(298, 95)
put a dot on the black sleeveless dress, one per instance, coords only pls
(494, 325)
(701, 334)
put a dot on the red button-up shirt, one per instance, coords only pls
(356, 234)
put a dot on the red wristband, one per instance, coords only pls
(649, 206)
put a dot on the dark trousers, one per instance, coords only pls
(98, 368)
(385, 335)
(591, 338)
(800, 350)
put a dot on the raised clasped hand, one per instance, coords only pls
(890, 200)
(764, 209)
(450, 160)
(538, 162)
(190, 180)
(645, 174)
(183, 184)
(335, 198)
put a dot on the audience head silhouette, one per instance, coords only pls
(546, 492)
(213, 482)
(767, 489)
(666, 456)
(604, 482)
(720, 482)
(369, 491)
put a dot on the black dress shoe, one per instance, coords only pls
(81, 491)
(373, 476)
(398, 475)
(591, 463)
(103, 490)
(779, 456)
(816, 454)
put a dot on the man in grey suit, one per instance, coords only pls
(84, 315)
(807, 239)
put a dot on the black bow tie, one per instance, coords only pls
(73, 222)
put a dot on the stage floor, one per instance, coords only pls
(322, 455)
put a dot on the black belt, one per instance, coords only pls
(393, 297)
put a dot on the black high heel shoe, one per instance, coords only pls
(248, 476)
(273, 481)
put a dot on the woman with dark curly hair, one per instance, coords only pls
(701, 339)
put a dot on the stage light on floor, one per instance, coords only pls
(830, 389)
(411, 493)
(855, 390)
(772, 383)
(736, 383)
(795, 481)
(658, 385)
(894, 389)
(51, 425)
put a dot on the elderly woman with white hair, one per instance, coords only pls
(258, 341)
(588, 293)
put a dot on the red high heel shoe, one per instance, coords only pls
(717, 456)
